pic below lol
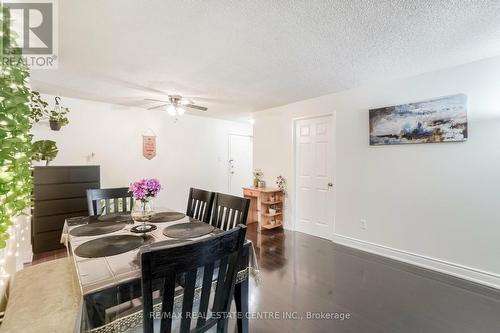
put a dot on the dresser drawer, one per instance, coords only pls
(250, 193)
(53, 222)
(61, 191)
(66, 174)
(60, 206)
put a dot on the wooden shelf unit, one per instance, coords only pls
(262, 199)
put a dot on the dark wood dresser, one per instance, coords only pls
(59, 193)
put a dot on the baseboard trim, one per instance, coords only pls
(467, 273)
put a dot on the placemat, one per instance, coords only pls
(115, 217)
(97, 228)
(188, 230)
(166, 217)
(108, 246)
(137, 259)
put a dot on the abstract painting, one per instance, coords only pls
(438, 120)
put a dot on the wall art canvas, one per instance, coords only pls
(437, 120)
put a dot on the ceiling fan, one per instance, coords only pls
(176, 105)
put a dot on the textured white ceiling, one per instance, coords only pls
(243, 56)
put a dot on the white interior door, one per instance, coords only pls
(240, 163)
(314, 176)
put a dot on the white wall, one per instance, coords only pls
(434, 203)
(191, 152)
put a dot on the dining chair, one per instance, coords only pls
(96, 198)
(229, 211)
(200, 204)
(166, 262)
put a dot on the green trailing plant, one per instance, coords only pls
(44, 150)
(15, 138)
(39, 108)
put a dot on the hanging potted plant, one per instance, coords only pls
(39, 110)
(44, 150)
(57, 117)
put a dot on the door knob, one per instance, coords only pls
(330, 184)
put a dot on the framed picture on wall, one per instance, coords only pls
(442, 119)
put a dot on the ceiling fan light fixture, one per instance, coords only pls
(171, 110)
(180, 110)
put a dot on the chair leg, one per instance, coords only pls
(222, 325)
(241, 300)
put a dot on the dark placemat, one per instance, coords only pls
(188, 230)
(137, 259)
(98, 228)
(167, 217)
(108, 246)
(115, 217)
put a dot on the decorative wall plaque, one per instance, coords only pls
(149, 146)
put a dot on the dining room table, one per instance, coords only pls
(108, 274)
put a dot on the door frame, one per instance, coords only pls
(229, 156)
(333, 167)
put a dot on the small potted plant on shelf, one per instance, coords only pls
(257, 177)
(44, 150)
(281, 183)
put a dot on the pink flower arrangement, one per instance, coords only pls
(145, 188)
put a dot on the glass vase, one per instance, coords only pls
(142, 212)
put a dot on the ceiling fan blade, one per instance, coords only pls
(157, 107)
(155, 100)
(196, 107)
(210, 100)
(185, 101)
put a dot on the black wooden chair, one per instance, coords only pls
(95, 198)
(200, 204)
(229, 211)
(166, 262)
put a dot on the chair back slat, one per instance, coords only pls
(99, 200)
(187, 302)
(208, 272)
(107, 206)
(169, 262)
(220, 287)
(200, 204)
(116, 204)
(229, 211)
(167, 303)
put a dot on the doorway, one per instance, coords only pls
(240, 162)
(314, 188)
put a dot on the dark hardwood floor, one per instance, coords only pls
(302, 274)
